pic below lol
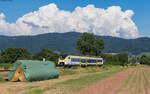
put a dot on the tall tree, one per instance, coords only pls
(144, 59)
(47, 54)
(88, 44)
(133, 60)
(10, 55)
(123, 57)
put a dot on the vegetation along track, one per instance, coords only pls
(1, 71)
(132, 80)
(4, 74)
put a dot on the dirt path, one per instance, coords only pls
(109, 85)
(131, 81)
(23, 87)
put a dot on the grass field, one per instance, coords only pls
(76, 84)
(133, 80)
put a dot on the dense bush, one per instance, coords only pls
(10, 55)
(115, 59)
(145, 60)
(46, 54)
(2, 80)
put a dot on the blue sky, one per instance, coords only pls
(16, 8)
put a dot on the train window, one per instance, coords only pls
(94, 61)
(72, 59)
(63, 56)
(75, 59)
(91, 61)
(99, 60)
(83, 60)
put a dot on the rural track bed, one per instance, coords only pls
(4, 74)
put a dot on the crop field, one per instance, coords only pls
(90, 80)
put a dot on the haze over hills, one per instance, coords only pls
(67, 42)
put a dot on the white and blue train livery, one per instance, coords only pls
(77, 59)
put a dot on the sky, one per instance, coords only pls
(120, 18)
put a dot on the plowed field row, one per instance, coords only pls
(131, 81)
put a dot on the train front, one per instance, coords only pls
(61, 60)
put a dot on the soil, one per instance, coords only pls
(113, 84)
(23, 87)
(109, 85)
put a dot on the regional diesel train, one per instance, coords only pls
(80, 60)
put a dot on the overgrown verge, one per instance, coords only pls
(73, 85)
(2, 80)
(5, 66)
(89, 69)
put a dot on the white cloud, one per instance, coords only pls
(109, 22)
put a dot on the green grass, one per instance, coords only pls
(90, 69)
(38, 91)
(67, 72)
(145, 79)
(135, 77)
(4, 74)
(2, 80)
(31, 87)
(79, 83)
(134, 82)
(139, 82)
(5, 66)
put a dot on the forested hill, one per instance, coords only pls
(67, 42)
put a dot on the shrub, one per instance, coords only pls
(6, 67)
(2, 80)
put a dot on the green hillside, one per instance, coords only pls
(67, 42)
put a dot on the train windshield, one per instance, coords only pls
(63, 56)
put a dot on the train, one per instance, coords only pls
(71, 59)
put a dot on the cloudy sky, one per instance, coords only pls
(120, 18)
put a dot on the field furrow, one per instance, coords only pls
(129, 88)
(132, 80)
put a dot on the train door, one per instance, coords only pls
(68, 61)
(83, 61)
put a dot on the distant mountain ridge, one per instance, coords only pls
(67, 42)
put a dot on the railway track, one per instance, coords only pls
(3, 74)
(4, 71)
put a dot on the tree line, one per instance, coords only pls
(10, 55)
(144, 59)
(87, 44)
